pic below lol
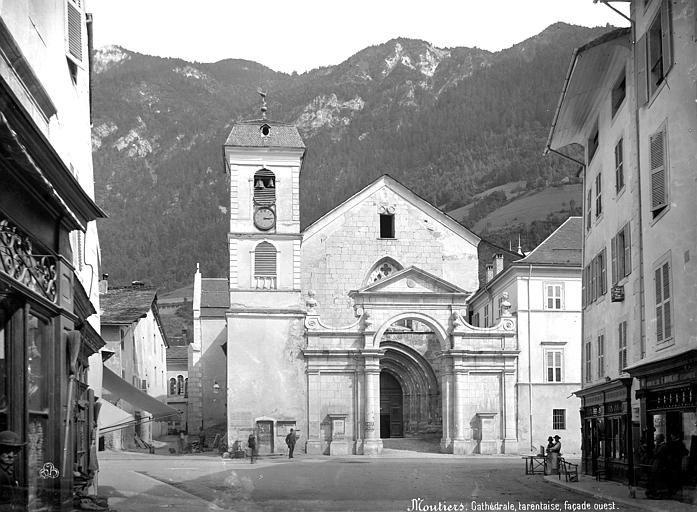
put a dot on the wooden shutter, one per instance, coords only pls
(73, 35)
(584, 280)
(613, 256)
(667, 320)
(265, 260)
(657, 154)
(603, 271)
(589, 207)
(659, 305)
(641, 74)
(667, 37)
(627, 250)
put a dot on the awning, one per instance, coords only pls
(111, 416)
(134, 396)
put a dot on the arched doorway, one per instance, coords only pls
(391, 411)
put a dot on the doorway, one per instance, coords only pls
(264, 437)
(391, 410)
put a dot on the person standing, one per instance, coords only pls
(252, 445)
(10, 495)
(290, 441)
(553, 452)
(675, 452)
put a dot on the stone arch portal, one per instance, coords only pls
(412, 408)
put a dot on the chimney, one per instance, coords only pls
(498, 264)
(489, 273)
(104, 284)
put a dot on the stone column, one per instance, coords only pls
(446, 403)
(462, 432)
(372, 444)
(314, 440)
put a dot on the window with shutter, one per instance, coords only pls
(603, 271)
(553, 364)
(622, 344)
(601, 355)
(657, 161)
(598, 195)
(619, 166)
(619, 91)
(664, 322)
(613, 257)
(589, 203)
(588, 361)
(659, 48)
(73, 32)
(265, 266)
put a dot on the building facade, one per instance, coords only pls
(135, 376)
(355, 331)
(544, 290)
(49, 250)
(624, 102)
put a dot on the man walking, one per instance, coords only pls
(290, 441)
(10, 494)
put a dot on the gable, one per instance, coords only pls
(388, 184)
(412, 280)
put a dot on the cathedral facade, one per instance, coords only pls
(351, 332)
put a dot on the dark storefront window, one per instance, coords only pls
(38, 358)
(4, 375)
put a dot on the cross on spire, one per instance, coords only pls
(263, 102)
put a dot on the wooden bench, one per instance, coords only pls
(569, 469)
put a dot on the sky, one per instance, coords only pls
(299, 35)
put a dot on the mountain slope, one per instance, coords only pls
(448, 123)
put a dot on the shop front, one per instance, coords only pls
(668, 397)
(45, 340)
(608, 431)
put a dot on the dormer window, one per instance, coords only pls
(265, 130)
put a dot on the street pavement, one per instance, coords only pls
(410, 483)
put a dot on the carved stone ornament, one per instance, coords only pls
(457, 321)
(505, 305)
(35, 271)
(311, 303)
(508, 325)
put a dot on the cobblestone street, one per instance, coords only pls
(338, 484)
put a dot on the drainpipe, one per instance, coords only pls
(532, 446)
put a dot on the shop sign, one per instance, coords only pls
(617, 293)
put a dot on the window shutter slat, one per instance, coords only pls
(265, 260)
(658, 175)
(75, 31)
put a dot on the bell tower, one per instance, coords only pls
(265, 318)
(264, 159)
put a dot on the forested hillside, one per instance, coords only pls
(448, 123)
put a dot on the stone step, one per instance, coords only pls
(414, 444)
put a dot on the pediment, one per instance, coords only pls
(411, 280)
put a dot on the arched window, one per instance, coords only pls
(264, 188)
(382, 269)
(186, 387)
(265, 266)
(172, 386)
(180, 384)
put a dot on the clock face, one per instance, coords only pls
(264, 218)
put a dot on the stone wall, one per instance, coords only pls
(339, 257)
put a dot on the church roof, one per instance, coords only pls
(562, 247)
(408, 195)
(250, 134)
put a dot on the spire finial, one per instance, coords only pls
(263, 102)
